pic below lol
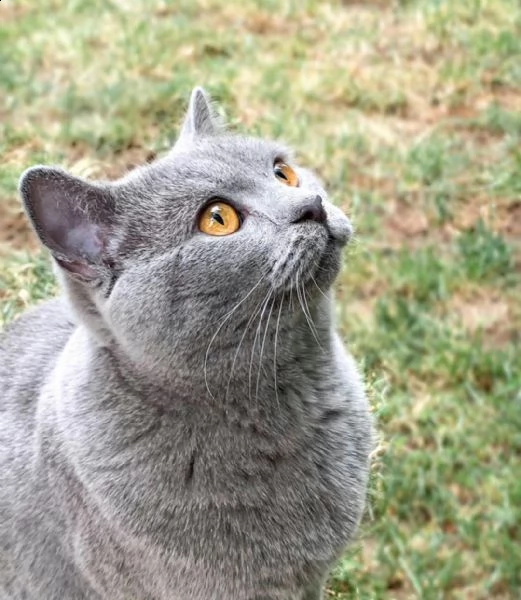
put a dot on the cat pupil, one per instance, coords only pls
(281, 173)
(217, 217)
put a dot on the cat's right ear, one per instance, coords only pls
(72, 218)
(201, 119)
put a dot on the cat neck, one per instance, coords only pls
(261, 362)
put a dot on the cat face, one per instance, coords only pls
(165, 253)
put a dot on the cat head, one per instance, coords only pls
(157, 260)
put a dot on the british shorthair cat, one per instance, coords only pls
(183, 423)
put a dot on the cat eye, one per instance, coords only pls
(219, 218)
(285, 174)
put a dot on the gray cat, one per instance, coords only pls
(184, 423)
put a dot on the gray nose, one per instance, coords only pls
(311, 210)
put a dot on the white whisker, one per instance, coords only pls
(250, 320)
(319, 288)
(225, 319)
(303, 305)
(275, 353)
(262, 351)
(264, 306)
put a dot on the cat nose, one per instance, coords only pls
(311, 210)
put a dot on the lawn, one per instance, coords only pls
(411, 113)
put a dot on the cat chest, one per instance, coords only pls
(249, 508)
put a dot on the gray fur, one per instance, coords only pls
(184, 423)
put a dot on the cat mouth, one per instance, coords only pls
(315, 261)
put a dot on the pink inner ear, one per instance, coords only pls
(72, 217)
(86, 237)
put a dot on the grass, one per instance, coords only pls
(410, 111)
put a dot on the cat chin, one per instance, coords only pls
(328, 267)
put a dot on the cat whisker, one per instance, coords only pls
(275, 353)
(223, 322)
(262, 350)
(303, 305)
(264, 306)
(305, 298)
(319, 288)
(250, 320)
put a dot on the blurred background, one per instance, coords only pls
(411, 113)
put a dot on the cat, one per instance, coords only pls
(183, 423)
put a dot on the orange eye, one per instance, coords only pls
(219, 218)
(285, 174)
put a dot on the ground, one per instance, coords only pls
(411, 113)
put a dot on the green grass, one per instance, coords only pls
(410, 111)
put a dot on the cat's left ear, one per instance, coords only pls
(201, 119)
(73, 218)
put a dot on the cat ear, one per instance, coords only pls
(201, 118)
(72, 218)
